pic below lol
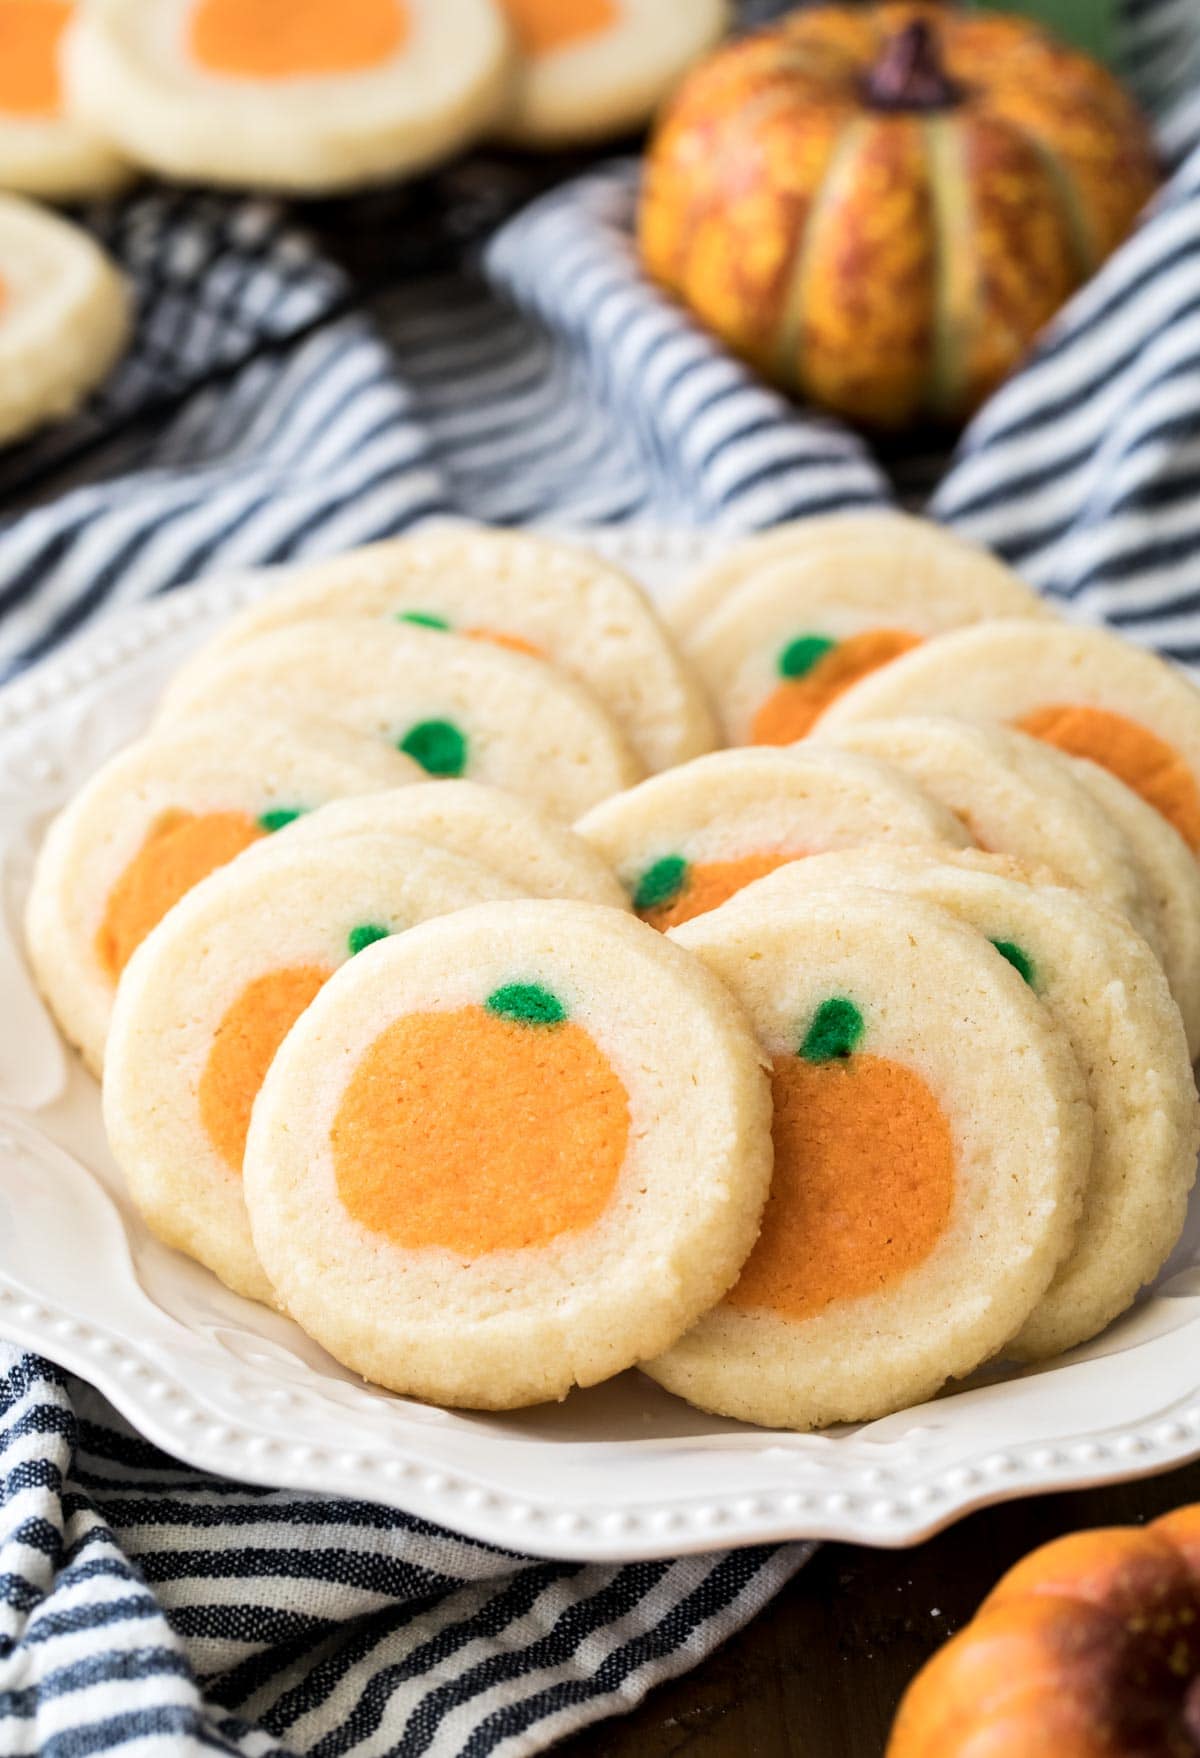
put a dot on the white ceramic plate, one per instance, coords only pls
(621, 1471)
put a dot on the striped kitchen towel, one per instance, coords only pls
(268, 411)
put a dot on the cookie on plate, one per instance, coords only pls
(303, 96)
(209, 996)
(587, 69)
(798, 632)
(158, 817)
(518, 591)
(1107, 992)
(510, 1152)
(64, 316)
(43, 151)
(932, 1142)
(683, 842)
(511, 835)
(1085, 691)
(1016, 798)
(458, 707)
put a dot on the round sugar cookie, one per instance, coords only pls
(683, 842)
(591, 68)
(458, 707)
(511, 835)
(1171, 877)
(873, 550)
(787, 641)
(158, 817)
(932, 1139)
(1016, 798)
(43, 151)
(518, 591)
(209, 996)
(303, 96)
(64, 316)
(511, 1152)
(1107, 992)
(1085, 691)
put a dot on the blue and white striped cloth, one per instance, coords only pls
(264, 414)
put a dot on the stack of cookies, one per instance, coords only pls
(455, 995)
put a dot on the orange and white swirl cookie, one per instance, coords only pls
(304, 95)
(932, 1142)
(43, 151)
(1108, 993)
(510, 1152)
(158, 817)
(212, 991)
(513, 836)
(1085, 691)
(517, 591)
(683, 842)
(457, 707)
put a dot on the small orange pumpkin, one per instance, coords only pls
(880, 206)
(1088, 1648)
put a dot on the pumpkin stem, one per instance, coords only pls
(910, 73)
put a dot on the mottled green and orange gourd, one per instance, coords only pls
(881, 206)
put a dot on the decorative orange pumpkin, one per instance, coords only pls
(880, 206)
(1088, 1648)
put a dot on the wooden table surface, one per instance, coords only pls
(819, 1672)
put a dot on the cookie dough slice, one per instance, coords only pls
(510, 1152)
(1085, 691)
(683, 842)
(1016, 798)
(158, 817)
(306, 96)
(209, 996)
(43, 151)
(517, 591)
(897, 552)
(513, 836)
(932, 1142)
(592, 68)
(1108, 994)
(64, 316)
(458, 707)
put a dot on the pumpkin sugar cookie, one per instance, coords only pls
(798, 632)
(1016, 798)
(511, 835)
(303, 96)
(43, 151)
(209, 996)
(158, 817)
(592, 68)
(458, 707)
(64, 316)
(932, 1141)
(1083, 690)
(683, 842)
(517, 591)
(510, 1152)
(1107, 992)
(873, 551)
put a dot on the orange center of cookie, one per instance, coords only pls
(181, 849)
(290, 39)
(710, 883)
(792, 710)
(30, 32)
(541, 26)
(479, 1133)
(1142, 760)
(243, 1049)
(862, 1187)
